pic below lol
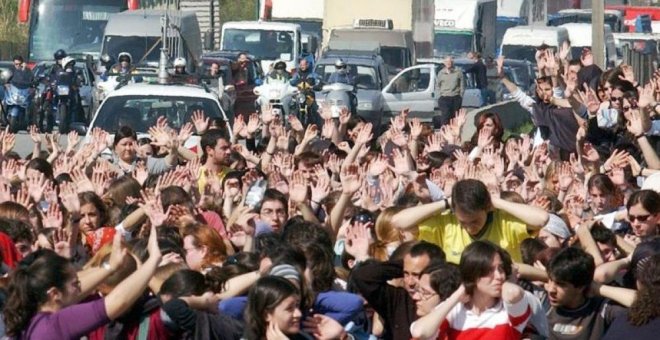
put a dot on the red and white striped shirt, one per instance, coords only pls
(502, 321)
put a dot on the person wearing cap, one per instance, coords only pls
(555, 233)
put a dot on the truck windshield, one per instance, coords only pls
(454, 44)
(314, 28)
(141, 112)
(136, 46)
(76, 26)
(520, 52)
(396, 58)
(263, 44)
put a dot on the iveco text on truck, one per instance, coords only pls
(464, 26)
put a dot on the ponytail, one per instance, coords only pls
(28, 288)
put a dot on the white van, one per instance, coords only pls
(521, 42)
(580, 35)
(139, 33)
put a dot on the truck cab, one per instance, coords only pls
(267, 41)
(396, 46)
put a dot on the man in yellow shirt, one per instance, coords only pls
(474, 215)
(216, 149)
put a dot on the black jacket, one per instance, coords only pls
(393, 304)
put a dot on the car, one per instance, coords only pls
(243, 92)
(139, 105)
(371, 75)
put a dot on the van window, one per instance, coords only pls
(136, 46)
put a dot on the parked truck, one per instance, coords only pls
(309, 16)
(464, 26)
(510, 13)
(405, 15)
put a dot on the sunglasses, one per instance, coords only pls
(641, 218)
(628, 108)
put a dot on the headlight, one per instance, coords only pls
(365, 106)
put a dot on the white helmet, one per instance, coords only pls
(180, 62)
(68, 60)
(124, 55)
(340, 63)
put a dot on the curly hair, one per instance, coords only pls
(646, 306)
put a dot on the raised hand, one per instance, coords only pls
(34, 134)
(200, 121)
(321, 189)
(485, 138)
(636, 124)
(253, 125)
(69, 198)
(415, 128)
(364, 135)
(328, 129)
(53, 216)
(378, 165)
(565, 175)
(295, 124)
(628, 74)
(350, 179)
(500, 66)
(298, 188)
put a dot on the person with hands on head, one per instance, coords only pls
(474, 215)
(396, 305)
(486, 305)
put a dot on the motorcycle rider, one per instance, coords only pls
(124, 67)
(20, 77)
(180, 66)
(305, 74)
(341, 74)
(279, 73)
(57, 67)
(69, 77)
(306, 80)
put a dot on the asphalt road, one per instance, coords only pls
(24, 143)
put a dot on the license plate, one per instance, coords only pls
(277, 111)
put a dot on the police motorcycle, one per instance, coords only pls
(277, 93)
(16, 103)
(65, 96)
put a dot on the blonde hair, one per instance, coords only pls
(385, 233)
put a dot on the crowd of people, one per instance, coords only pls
(337, 231)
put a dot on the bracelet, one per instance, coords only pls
(640, 136)
(446, 200)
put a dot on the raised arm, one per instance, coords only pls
(406, 219)
(128, 291)
(427, 326)
(534, 217)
